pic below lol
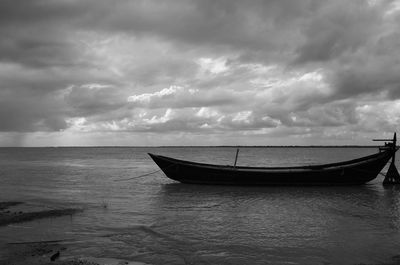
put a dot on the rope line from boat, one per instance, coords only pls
(145, 174)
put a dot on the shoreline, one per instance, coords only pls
(47, 252)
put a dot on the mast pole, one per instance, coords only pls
(236, 157)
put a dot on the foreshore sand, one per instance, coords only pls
(54, 252)
(11, 217)
(41, 252)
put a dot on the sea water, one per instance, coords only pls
(155, 220)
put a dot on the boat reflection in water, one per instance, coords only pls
(281, 225)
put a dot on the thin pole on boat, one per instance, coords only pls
(236, 157)
(394, 148)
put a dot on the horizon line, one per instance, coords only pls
(197, 146)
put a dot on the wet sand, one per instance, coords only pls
(54, 252)
(12, 217)
(41, 252)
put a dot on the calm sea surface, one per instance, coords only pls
(157, 221)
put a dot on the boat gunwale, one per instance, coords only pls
(329, 166)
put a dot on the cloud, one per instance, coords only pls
(94, 99)
(217, 23)
(373, 70)
(355, 44)
(300, 69)
(180, 97)
(22, 112)
(338, 28)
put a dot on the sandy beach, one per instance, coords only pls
(42, 252)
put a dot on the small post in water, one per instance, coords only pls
(237, 153)
(392, 175)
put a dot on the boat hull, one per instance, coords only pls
(354, 172)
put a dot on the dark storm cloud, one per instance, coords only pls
(34, 43)
(36, 33)
(356, 45)
(374, 69)
(255, 28)
(25, 12)
(93, 99)
(22, 112)
(338, 28)
(36, 53)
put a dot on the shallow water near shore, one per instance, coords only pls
(157, 221)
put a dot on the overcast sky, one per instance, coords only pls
(198, 72)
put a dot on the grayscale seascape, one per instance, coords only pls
(154, 220)
(88, 88)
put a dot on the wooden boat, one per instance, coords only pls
(352, 172)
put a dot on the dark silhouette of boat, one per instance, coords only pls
(352, 172)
